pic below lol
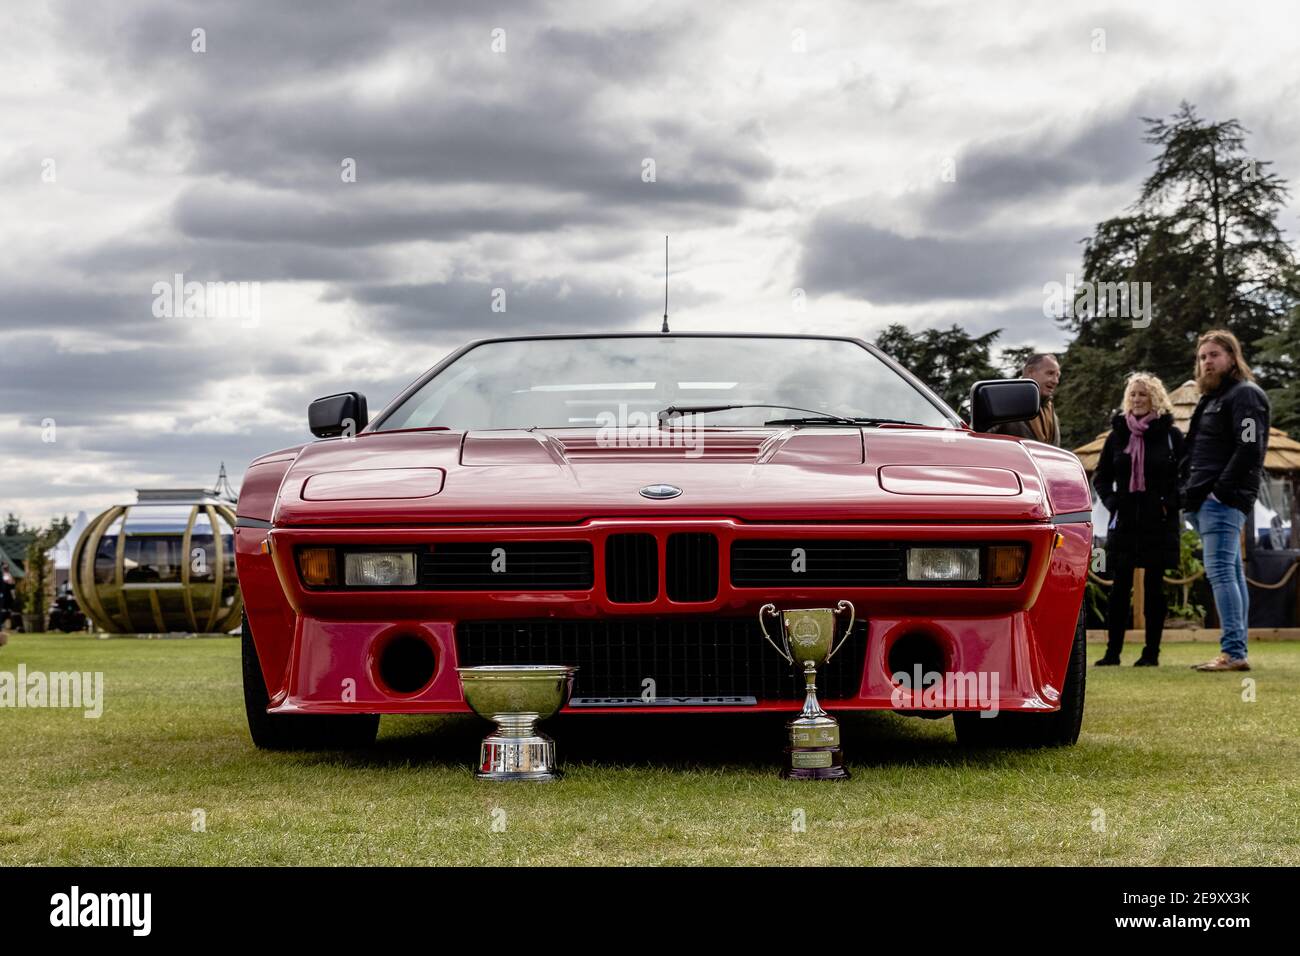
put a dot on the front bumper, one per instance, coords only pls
(321, 650)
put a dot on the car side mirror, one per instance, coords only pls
(335, 415)
(999, 401)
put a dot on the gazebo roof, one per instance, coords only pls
(13, 551)
(220, 493)
(15, 568)
(1283, 451)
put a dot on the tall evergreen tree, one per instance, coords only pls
(1203, 233)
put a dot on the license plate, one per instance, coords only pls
(638, 702)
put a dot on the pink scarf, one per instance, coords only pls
(1137, 449)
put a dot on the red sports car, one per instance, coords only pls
(628, 503)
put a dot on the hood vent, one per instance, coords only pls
(666, 444)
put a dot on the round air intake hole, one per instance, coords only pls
(406, 664)
(917, 649)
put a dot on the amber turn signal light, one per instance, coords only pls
(1006, 563)
(317, 566)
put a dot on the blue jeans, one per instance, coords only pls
(1219, 526)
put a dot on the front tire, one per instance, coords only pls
(297, 731)
(1022, 731)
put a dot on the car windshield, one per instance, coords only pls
(593, 382)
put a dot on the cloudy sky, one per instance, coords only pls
(378, 169)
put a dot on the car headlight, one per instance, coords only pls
(379, 569)
(943, 564)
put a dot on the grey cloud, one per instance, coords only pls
(1022, 324)
(611, 55)
(256, 42)
(225, 259)
(1041, 165)
(89, 396)
(534, 131)
(39, 378)
(958, 251)
(544, 136)
(859, 259)
(1038, 167)
(186, 459)
(65, 303)
(463, 308)
(185, 453)
(533, 116)
(355, 217)
(538, 116)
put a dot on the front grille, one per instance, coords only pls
(508, 565)
(815, 562)
(631, 568)
(691, 572)
(709, 657)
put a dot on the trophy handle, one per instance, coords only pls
(839, 609)
(767, 609)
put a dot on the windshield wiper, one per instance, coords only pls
(674, 411)
(821, 420)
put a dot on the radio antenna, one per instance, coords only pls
(664, 330)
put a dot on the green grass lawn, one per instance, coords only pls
(1172, 768)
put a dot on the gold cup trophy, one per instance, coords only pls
(808, 640)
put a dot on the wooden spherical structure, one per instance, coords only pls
(165, 564)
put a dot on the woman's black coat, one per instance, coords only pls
(1145, 527)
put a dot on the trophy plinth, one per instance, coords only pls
(808, 639)
(516, 697)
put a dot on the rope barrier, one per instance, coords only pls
(1201, 573)
(1272, 587)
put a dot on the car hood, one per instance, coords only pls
(570, 475)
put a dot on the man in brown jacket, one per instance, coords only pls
(1046, 371)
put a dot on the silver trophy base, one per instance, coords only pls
(516, 697)
(518, 758)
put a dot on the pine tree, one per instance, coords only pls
(1203, 233)
(1223, 205)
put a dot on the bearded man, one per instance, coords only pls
(1219, 477)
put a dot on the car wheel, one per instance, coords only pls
(297, 731)
(1057, 729)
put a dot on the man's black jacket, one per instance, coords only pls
(1226, 443)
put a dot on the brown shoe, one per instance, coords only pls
(1224, 663)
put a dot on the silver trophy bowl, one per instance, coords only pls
(516, 697)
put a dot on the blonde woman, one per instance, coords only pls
(1137, 480)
